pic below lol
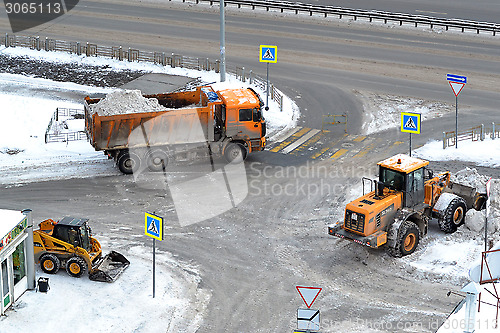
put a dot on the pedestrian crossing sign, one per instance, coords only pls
(154, 226)
(410, 122)
(268, 53)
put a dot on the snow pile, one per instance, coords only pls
(472, 178)
(126, 101)
(494, 205)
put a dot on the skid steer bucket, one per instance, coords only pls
(109, 268)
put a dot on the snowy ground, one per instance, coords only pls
(126, 305)
(384, 111)
(486, 153)
(30, 102)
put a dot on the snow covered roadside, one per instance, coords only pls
(28, 104)
(485, 153)
(384, 111)
(277, 120)
(126, 305)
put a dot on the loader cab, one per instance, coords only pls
(405, 174)
(73, 231)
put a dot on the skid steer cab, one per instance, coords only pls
(396, 213)
(69, 244)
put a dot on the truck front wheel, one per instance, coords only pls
(128, 162)
(235, 152)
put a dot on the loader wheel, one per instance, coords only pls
(128, 162)
(235, 152)
(454, 216)
(50, 263)
(407, 239)
(76, 266)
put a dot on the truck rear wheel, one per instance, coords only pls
(76, 266)
(128, 162)
(235, 152)
(454, 216)
(157, 160)
(50, 263)
(406, 242)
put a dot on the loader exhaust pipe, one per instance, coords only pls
(379, 189)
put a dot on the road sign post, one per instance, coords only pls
(268, 54)
(154, 228)
(488, 187)
(457, 83)
(222, 68)
(308, 319)
(410, 123)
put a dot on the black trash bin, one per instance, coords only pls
(43, 284)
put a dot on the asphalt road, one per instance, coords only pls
(251, 257)
(479, 10)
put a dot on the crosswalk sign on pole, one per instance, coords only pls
(410, 122)
(268, 53)
(153, 226)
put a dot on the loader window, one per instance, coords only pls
(85, 237)
(392, 179)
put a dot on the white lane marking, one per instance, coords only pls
(429, 12)
(300, 141)
(287, 134)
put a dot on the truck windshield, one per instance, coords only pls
(85, 237)
(392, 179)
(257, 114)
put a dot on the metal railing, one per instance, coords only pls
(371, 15)
(478, 133)
(334, 119)
(134, 55)
(54, 136)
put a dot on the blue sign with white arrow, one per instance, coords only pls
(456, 78)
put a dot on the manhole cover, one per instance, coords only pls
(347, 145)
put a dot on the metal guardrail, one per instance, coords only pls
(478, 133)
(128, 54)
(371, 15)
(66, 136)
(334, 119)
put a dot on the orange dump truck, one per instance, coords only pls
(227, 122)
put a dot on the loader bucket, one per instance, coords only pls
(109, 268)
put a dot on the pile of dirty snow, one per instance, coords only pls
(126, 101)
(475, 220)
(472, 178)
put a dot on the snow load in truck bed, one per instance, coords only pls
(125, 101)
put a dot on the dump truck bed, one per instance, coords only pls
(188, 117)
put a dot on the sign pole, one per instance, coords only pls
(154, 264)
(154, 229)
(267, 54)
(267, 88)
(410, 144)
(222, 42)
(456, 122)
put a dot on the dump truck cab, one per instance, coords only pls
(244, 121)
